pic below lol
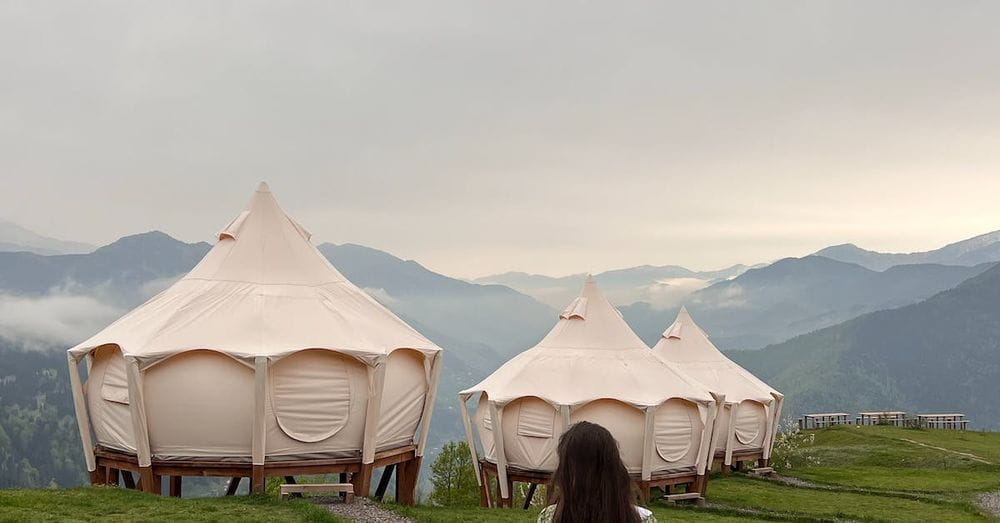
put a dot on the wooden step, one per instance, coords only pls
(347, 489)
(762, 471)
(687, 496)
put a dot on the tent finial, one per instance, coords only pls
(263, 187)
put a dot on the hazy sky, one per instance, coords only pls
(480, 137)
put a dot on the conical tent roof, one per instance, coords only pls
(590, 354)
(263, 290)
(687, 347)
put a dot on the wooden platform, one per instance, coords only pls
(115, 466)
(686, 477)
(740, 457)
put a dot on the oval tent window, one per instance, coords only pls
(749, 419)
(674, 429)
(311, 395)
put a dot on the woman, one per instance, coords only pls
(591, 482)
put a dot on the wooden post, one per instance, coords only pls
(362, 480)
(150, 482)
(406, 481)
(257, 479)
(175, 486)
(484, 488)
(112, 476)
(98, 476)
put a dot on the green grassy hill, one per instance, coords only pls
(841, 473)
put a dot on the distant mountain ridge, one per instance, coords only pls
(973, 251)
(942, 354)
(794, 296)
(622, 286)
(14, 238)
(117, 271)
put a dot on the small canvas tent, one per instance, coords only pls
(749, 419)
(591, 367)
(262, 359)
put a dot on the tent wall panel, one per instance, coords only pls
(348, 438)
(626, 424)
(531, 434)
(199, 404)
(111, 420)
(402, 399)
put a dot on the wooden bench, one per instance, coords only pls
(346, 489)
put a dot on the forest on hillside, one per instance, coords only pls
(39, 441)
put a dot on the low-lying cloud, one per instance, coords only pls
(53, 319)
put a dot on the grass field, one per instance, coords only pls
(844, 473)
(111, 504)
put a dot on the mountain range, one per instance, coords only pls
(797, 295)
(659, 284)
(939, 355)
(973, 251)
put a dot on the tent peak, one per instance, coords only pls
(263, 187)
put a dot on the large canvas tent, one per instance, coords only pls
(262, 361)
(591, 367)
(749, 419)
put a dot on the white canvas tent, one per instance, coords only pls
(591, 367)
(264, 352)
(752, 411)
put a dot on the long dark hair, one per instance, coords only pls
(591, 482)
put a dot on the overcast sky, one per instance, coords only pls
(484, 137)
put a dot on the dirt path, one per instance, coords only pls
(973, 457)
(362, 510)
(990, 502)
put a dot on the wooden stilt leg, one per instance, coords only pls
(406, 481)
(344, 478)
(550, 493)
(763, 463)
(257, 479)
(234, 483)
(175, 486)
(700, 484)
(363, 480)
(529, 495)
(98, 476)
(128, 479)
(383, 481)
(484, 489)
(149, 481)
(509, 501)
(644, 492)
